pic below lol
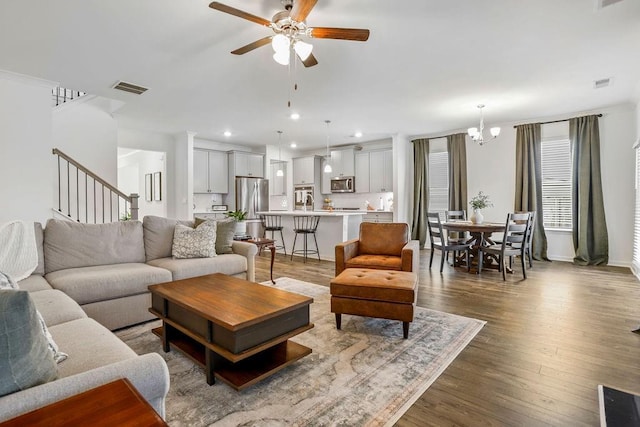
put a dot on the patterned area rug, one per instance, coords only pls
(363, 375)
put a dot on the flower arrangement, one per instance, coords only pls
(480, 201)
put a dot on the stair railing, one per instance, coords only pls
(82, 194)
(61, 95)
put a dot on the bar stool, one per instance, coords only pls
(273, 223)
(305, 225)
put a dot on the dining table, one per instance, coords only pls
(479, 236)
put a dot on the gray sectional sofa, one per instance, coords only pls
(92, 279)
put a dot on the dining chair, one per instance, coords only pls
(456, 236)
(514, 243)
(439, 240)
(532, 225)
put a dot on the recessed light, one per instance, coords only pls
(293, 145)
(227, 133)
(294, 116)
(358, 134)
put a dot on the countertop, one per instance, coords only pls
(318, 213)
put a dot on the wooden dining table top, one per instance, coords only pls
(485, 227)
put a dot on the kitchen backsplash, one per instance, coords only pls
(359, 200)
(203, 202)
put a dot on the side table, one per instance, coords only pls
(261, 243)
(117, 403)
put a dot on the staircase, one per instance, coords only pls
(61, 95)
(85, 197)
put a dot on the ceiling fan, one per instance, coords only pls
(290, 28)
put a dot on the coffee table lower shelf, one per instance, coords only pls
(246, 372)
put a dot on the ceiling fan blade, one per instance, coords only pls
(301, 9)
(355, 34)
(310, 61)
(256, 44)
(239, 13)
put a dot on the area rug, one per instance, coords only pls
(362, 375)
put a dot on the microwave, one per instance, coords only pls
(343, 184)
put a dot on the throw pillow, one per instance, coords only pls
(25, 359)
(197, 242)
(226, 229)
(7, 283)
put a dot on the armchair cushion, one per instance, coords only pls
(380, 262)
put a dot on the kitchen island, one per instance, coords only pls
(334, 227)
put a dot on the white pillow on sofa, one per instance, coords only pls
(199, 242)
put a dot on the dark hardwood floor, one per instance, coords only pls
(548, 342)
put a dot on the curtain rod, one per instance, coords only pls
(557, 121)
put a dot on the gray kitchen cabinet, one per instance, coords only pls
(304, 170)
(362, 173)
(343, 162)
(210, 172)
(378, 216)
(278, 184)
(247, 164)
(380, 171)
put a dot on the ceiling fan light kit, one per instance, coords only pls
(478, 134)
(290, 28)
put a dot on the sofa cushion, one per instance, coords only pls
(72, 245)
(56, 307)
(25, 359)
(224, 233)
(96, 347)
(91, 284)
(199, 242)
(378, 262)
(34, 283)
(229, 264)
(158, 235)
(383, 238)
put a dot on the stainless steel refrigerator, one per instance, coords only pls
(252, 195)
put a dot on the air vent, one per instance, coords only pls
(131, 88)
(599, 84)
(600, 4)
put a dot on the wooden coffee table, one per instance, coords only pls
(117, 403)
(237, 330)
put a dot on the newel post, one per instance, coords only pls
(134, 205)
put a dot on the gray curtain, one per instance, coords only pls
(529, 183)
(420, 190)
(590, 237)
(457, 149)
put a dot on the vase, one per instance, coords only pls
(476, 217)
(241, 228)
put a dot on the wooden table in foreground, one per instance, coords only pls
(238, 331)
(480, 236)
(117, 403)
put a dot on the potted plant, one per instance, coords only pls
(241, 224)
(478, 203)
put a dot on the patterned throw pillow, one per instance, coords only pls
(7, 282)
(224, 233)
(194, 243)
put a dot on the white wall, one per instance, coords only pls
(131, 179)
(159, 142)
(25, 148)
(85, 130)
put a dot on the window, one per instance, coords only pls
(635, 263)
(438, 176)
(556, 184)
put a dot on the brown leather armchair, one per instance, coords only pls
(382, 246)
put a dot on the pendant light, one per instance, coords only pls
(327, 166)
(477, 134)
(279, 172)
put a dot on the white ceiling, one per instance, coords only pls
(425, 67)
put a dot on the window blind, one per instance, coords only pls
(438, 181)
(556, 184)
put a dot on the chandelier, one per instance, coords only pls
(477, 134)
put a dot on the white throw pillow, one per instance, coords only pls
(199, 242)
(6, 282)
